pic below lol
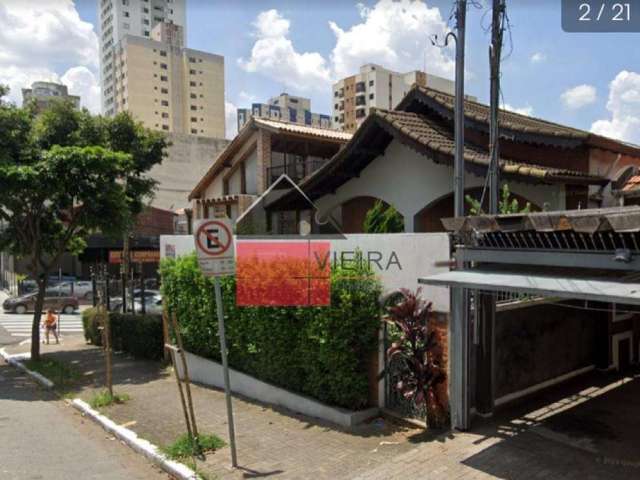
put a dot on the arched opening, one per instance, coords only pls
(428, 219)
(352, 213)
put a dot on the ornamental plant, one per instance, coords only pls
(418, 349)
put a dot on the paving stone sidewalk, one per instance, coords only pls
(281, 444)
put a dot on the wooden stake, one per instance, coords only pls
(185, 372)
(107, 345)
(171, 349)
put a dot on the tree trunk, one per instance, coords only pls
(37, 314)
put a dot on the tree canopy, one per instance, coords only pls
(383, 219)
(65, 174)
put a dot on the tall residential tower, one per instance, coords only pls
(375, 86)
(119, 18)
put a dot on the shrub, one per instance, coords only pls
(139, 335)
(322, 352)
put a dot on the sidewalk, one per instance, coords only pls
(270, 442)
(282, 444)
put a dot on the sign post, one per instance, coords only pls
(214, 247)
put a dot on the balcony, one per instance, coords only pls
(296, 170)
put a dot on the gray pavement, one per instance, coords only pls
(41, 437)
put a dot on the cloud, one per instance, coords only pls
(43, 39)
(624, 105)
(538, 57)
(231, 119)
(579, 96)
(393, 33)
(274, 56)
(81, 81)
(527, 110)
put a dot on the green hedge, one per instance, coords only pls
(139, 335)
(322, 352)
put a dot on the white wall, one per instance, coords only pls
(398, 259)
(235, 182)
(410, 181)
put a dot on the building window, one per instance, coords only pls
(360, 87)
(194, 131)
(165, 127)
(360, 113)
(145, 10)
(165, 115)
(193, 95)
(194, 119)
(371, 83)
(145, 22)
(126, 14)
(371, 96)
(163, 78)
(164, 103)
(164, 90)
(192, 72)
(163, 53)
(193, 84)
(335, 94)
(146, 33)
(194, 107)
(163, 66)
(125, 2)
(192, 59)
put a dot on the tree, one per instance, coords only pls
(506, 204)
(64, 175)
(383, 219)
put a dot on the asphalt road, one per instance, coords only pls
(41, 437)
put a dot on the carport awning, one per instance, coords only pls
(603, 289)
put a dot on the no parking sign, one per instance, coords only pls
(214, 247)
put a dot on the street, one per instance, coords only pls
(44, 438)
(20, 325)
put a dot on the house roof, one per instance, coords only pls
(429, 137)
(514, 125)
(589, 221)
(274, 126)
(631, 188)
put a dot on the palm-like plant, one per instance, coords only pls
(419, 350)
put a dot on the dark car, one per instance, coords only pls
(26, 303)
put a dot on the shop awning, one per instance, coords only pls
(600, 289)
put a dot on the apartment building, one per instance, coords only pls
(44, 92)
(376, 87)
(285, 108)
(169, 87)
(119, 18)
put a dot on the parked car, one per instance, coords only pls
(80, 289)
(151, 304)
(26, 303)
(115, 303)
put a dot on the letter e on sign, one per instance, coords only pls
(214, 247)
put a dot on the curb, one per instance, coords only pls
(14, 361)
(140, 445)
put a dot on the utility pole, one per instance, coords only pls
(458, 167)
(495, 51)
(486, 304)
(458, 326)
